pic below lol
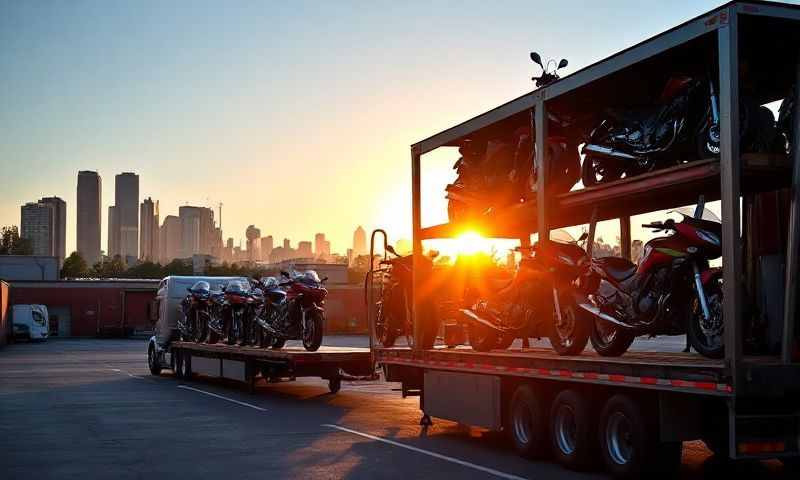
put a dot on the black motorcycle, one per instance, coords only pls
(195, 309)
(683, 125)
(293, 309)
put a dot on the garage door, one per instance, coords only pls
(60, 321)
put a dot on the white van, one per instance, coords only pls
(30, 322)
(165, 311)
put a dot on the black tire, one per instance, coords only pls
(629, 441)
(335, 384)
(481, 337)
(385, 333)
(201, 327)
(240, 329)
(183, 366)
(312, 333)
(571, 337)
(152, 361)
(707, 338)
(211, 336)
(609, 341)
(278, 343)
(573, 430)
(527, 423)
(505, 341)
(590, 170)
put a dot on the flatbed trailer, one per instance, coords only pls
(246, 364)
(635, 410)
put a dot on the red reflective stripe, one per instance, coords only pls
(648, 380)
(617, 378)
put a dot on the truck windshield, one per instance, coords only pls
(38, 318)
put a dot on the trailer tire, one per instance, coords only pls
(629, 441)
(152, 361)
(527, 424)
(573, 427)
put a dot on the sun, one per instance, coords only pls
(470, 243)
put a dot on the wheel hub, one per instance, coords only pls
(619, 438)
(566, 429)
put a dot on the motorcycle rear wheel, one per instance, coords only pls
(312, 333)
(385, 334)
(592, 167)
(609, 341)
(481, 337)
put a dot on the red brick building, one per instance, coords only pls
(5, 317)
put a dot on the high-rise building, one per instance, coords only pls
(287, 244)
(90, 188)
(36, 225)
(266, 247)
(198, 231)
(59, 226)
(304, 250)
(322, 247)
(170, 238)
(148, 241)
(126, 199)
(359, 241)
(113, 232)
(253, 235)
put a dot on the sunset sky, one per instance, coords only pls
(297, 116)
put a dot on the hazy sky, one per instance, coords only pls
(297, 116)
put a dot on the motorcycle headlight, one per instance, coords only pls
(708, 237)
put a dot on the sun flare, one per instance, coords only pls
(470, 243)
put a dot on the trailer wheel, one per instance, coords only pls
(629, 441)
(572, 429)
(335, 384)
(527, 424)
(152, 361)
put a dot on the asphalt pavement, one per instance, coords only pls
(90, 409)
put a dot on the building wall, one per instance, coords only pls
(28, 267)
(92, 308)
(5, 319)
(345, 311)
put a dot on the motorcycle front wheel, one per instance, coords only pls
(608, 340)
(596, 170)
(707, 336)
(200, 327)
(384, 332)
(571, 336)
(312, 330)
(481, 337)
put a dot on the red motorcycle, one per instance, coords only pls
(671, 291)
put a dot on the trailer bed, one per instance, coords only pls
(685, 372)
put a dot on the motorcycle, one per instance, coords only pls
(227, 312)
(393, 310)
(537, 301)
(684, 125)
(670, 291)
(293, 309)
(195, 309)
(494, 175)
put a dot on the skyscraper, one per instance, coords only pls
(59, 207)
(126, 199)
(90, 187)
(253, 235)
(198, 231)
(113, 232)
(304, 250)
(148, 241)
(287, 244)
(359, 241)
(322, 247)
(36, 225)
(266, 247)
(170, 237)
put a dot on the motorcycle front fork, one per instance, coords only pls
(557, 304)
(701, 293)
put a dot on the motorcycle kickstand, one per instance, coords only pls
(425, 421)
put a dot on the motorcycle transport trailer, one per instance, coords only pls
(636, 409)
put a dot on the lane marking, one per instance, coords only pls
(463, 463)
(244, 404)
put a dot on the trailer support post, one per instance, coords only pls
(416, 224)
(539, 117)
(793, 239)
(625, 236)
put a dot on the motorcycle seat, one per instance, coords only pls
(616, 267)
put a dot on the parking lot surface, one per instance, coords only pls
(81, 408)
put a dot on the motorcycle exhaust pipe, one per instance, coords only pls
(604, 316)
(608, 152)
(474, 317)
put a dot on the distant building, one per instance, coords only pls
(170, 238)
(37, 226)
(28, 267)
(359, 242)
(304, 250)
(253, 236)
(198, 231)
(266, 247)
(322, 247)
(90, 189)
(126, 201)
(148, 240)
(59, 207)
(287, 244)
(113, 232)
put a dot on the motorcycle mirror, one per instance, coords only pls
(536, 59)
(583, 236)
(433, 253)
(563, 63)
(324, 279)
(391, 250)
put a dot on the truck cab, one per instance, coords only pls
(30, 322)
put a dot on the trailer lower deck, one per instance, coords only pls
(246, 364)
